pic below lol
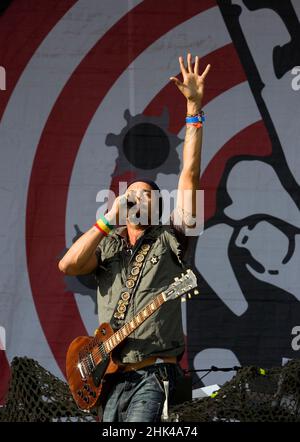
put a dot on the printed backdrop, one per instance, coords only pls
(85, 78)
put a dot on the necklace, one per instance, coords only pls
(128, 247)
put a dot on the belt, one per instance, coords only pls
(150, 361)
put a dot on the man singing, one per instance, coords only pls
(135, 262)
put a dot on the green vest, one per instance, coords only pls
(161, 334)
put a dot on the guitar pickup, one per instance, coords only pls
(81, 370)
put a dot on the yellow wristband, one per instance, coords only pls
(103, 226)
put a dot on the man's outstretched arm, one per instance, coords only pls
(192, 88)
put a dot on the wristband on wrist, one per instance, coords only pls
(196, 119)
(103, 225)
(194, 124)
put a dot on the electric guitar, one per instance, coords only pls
(89, 360)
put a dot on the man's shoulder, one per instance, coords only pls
(176, 233)
(166, 235)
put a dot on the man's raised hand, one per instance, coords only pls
(192, 86)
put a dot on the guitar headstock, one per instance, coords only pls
(181, 285)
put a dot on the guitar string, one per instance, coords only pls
(120, 331)
(97, 351)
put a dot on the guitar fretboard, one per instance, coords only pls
(111, 343)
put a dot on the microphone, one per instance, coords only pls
(129, 201)
(130, 204)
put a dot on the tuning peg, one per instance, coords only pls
(189, 295)
(196, 292)
(176, 278)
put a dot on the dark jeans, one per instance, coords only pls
(139, 396)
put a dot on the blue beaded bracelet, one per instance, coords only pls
(195, 119)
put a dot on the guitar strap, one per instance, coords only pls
(134, 273)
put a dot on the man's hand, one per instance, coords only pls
(118, 211)
(192, 86)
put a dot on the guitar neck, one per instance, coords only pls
(135, 322)
(98, 349)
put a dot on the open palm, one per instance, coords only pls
(192, 86)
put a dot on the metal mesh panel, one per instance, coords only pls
(35, 395)
(253, 395)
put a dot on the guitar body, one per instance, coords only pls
(86, 391)
(89, 361)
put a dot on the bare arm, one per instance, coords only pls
(190, 174)
(81, 258)
(192, 88)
